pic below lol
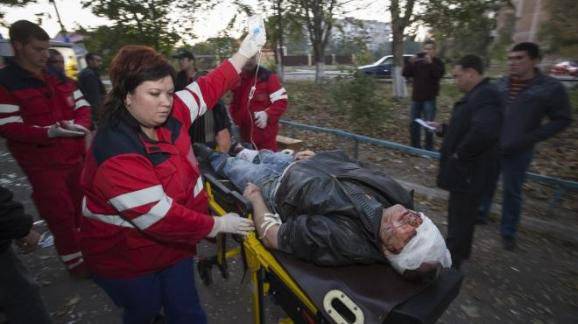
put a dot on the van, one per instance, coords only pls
(73, 56)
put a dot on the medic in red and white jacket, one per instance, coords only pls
(29, 104)
(144, 206)
(270, 97)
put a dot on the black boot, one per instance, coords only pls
(509, 243)
(202, 151)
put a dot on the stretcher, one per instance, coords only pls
(313, 294)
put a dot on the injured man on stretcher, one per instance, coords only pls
(330, 210)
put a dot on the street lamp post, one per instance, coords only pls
(62, 29)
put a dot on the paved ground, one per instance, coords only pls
(536, 284)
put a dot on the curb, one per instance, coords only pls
(559, 231)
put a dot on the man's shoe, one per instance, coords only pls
(202, 151)
(481, 221)
(509, 243)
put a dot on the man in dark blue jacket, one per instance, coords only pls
(530, 96)
(19, 298)
(468, 152)
(90, 84)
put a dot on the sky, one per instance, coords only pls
(209, 24)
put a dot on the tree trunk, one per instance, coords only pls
(281, 59)
(319, 56)
(399, 87)
(319, 71)
(398, 25)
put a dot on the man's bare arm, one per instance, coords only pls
(265, 229)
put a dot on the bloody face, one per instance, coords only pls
(398, 226)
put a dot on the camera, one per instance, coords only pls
(420, 55)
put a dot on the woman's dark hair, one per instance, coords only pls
(132, 65)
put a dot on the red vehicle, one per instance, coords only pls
(565, 69)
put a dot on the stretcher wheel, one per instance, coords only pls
(204, 268)
(224, 272)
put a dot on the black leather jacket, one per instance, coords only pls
(469, 152)
(331, 208)
(14, 223)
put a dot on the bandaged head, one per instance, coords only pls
(427, 246)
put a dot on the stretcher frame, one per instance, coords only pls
(268, 276)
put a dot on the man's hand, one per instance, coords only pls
(29, 242)
(70, 125)
(436, 125)
(428, 59)
(253, 193)
(304, 155)
(261, 118)
(57, 130)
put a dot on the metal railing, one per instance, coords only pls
(561, 186)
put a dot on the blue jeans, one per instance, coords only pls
(514, 169)
(425, 110)
(142, 297)
(263, 173)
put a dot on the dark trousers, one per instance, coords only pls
(488, 194)
(425, 110)
(462, 212)
(172, 289)
(19, 297)
(514, 169)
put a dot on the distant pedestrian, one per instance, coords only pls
(530, 97)
(468, 152)
(90, 84)
(425, 70)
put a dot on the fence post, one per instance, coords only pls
(309, 60)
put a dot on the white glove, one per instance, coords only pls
(255, 39)
(58, 131)
(70, 125)
(261, 119)
(231, 223)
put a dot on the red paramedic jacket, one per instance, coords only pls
(269, 96)
(144, 206)
(28, 105)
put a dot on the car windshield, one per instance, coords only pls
(384, 60)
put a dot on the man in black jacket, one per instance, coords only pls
(19, 298)
(330, 210)
(425, 71)
(468, 152)
(214, 127)
(90, 84)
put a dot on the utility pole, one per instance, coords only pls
(62, 29)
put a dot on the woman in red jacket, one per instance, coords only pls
(144, 206)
